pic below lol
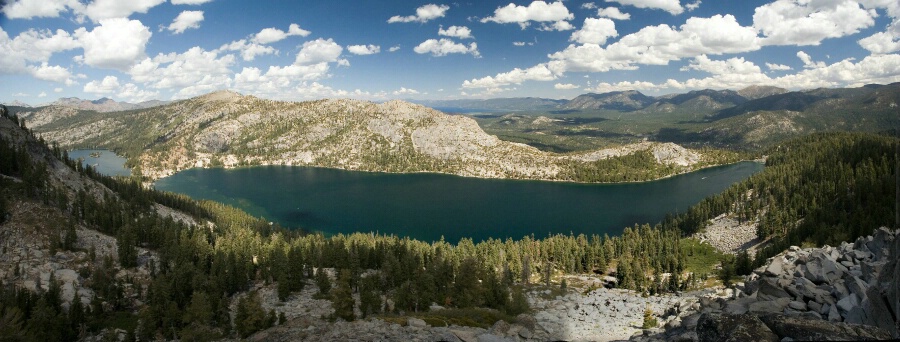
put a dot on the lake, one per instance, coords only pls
(428, 206)
(104, 161)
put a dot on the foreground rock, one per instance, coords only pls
(848, 292)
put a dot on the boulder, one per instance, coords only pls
(416, 322)
(769, 290)
(801, 329)
(724, 327)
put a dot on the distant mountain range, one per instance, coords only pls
(101, 105)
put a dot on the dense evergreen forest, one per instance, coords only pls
(818, 189)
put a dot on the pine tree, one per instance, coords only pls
(342, 297)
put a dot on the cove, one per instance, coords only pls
(104, 161)
(428, 206)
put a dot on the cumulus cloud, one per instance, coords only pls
(27, 9)
(778, 67)
(186, 20)
(540, 72)
(193, 72)
(460, 32)
(692, 6)
(589, 5)
(658, 45)
(405, 91)
(881, 43)
(565, 86)
(271, 34)
(248, 50)
(109, 85)
(613, 13)
(53, 73)
(318, 51)
(394, 48)
(364, 49)
(554, 16)
(595, 31)
(671, 6)
(730, 66)
(423, 14)
(808, 61)
(444, 47)
(793, 22)
(115, 44)
(107, 9)
(519, 43)
(33, 46)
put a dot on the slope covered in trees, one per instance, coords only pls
(820, 188)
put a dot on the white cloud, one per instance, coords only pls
(27, 9)
(882, 69)
(423, 14)
(808, 62)
(461, 32)
(190, 2)
(42, 94)
(692, 6)
(107, 9)
(671, 6)
(565, 86)
(405, 91)
(540, 72)
(52, 73)
(132, 93)
(538, 11)
(881, 43)
(194, 72)
(595, 31)
(519, 43)
(605, 87)
(658, 45)
(271, 34)
(613, 13)
(778, 67)
(248, 50)
(589, 5)
(808, 22)
(33, 46)
(364, 49)
(115, 44)
(394, 48)
(445, 46)
(109, 85)
(730, 66)
(186, 20)
(318, 51)
(57, 90)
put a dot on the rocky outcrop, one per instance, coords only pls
(848, 292)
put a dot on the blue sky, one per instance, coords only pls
(139, 50)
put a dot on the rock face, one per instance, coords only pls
(230, 130)
(840, 293)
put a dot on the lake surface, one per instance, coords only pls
(428, 206)
(104, 161)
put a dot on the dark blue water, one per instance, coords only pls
(428, 206)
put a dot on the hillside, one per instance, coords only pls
(229, 129)
(87, 257)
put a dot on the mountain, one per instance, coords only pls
(756, 92)
(498, 104)
(698, 101)
(103, 105)
(229, 129)
(617, 100)
(822, 100)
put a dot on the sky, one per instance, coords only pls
(139, 50)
